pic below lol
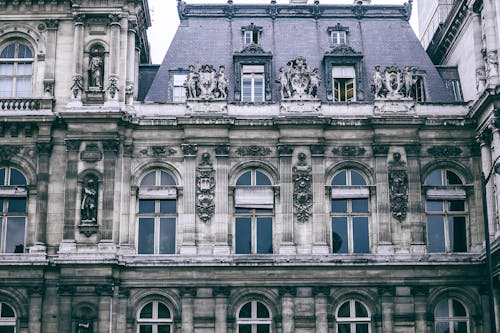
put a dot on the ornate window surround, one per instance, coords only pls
(15, 61)
(343, 55)
(256, 33)
(252, 55)
(337, 29)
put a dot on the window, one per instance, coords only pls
(353, 317)
(339, 37)
(154, 317)
(344, 83)
(252, 83)
(13, 197)
(455, 89)
(419, 89)
(157, 213)
(254, 317)
(446, 212)
(251, 34)
(179, 90)
(16, 61)
(7, 319)
(254, 203)
(451, 317)
(350, 212)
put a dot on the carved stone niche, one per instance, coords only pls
(95, 77)
(89, 205)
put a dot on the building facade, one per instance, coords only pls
(300, 167)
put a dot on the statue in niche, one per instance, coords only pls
(299, 83)
(221, 83)
(408, 81)
(89, 201)
(96, 68)
(378, 81)
(393, 83)
(206, 84)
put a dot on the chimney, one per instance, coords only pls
(298, 2)
(362, 2)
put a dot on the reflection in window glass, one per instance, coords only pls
(16, 62)
(352, 316)
(451, 316)
(254, 317)
(154, 317)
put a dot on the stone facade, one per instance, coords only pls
(309, 208)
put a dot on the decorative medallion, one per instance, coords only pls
(298, 82)
(206, 83)
(221, 150)
(253, 151)
(205, 188)
(302, 192)
(398, 187)
(394, 83)
(349, 151)
(444, 151)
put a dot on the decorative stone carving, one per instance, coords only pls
(43, 148)
(221, 291)
(73, 145)
(491, 63)
(349, 151)
(444, 151)
(398, 187)
(393, 83)
(181, 9)
(317, 150)
(287, 291)
(206, 84)
(380, 149)
(111, 145)
(77, 86)
(321, 290)
(221, 150)
(88, 206)
(48, 87)
(298, 83)
(480, 78)
(158, 151)
(113, 86)
(302, 192)
(272, 10)
(92, 153)
(7, 152)
(84, 326)
(407, 9)
(253, 151)
(189, 150)
(205, 188)
(96, 68)
(285, 150)
(359, 10)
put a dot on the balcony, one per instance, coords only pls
(26, 104)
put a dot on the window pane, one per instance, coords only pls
(167, 235)
(262, 179)
(263, 328)
(149, 179)
(2, 176)
(245, 179)
(245, 328)
(23, 87)
(361, 328)
(262, 311)
(146, 329)
(441, 309)
(243, 235)
(7, 311)
(168, 206)
(146, 236)
(259, 89)
(349, 87)
(360, 235)
(243, 210)
(339, 206)
(434, 178)
(17, 205)
(7, 69)
(1, 206)
(458, 235)
(163, 328)
(434, 206)
(8, 52)
(246, 91)
(14, 240)
(6, 329)
(262, 211)
(360, 310)
(17, 178)
(452, 178)
(458, 309)
(24, 52)
(166, 179)
(147, 311)
(6, 85)
(442, 327)
(360, 205)
(339, 235)
(23, 69)
(344, 328)
(357, 179)
(340, 179)
(146, 206)
(460, 327)
(246, 311)
(163, 311)
(456, 206)
(344, 311)
(264, 235)
(435, 234)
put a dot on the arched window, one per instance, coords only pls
(154, 317)
(16, 61)
(451, 316)
(353, 317)
(254, 203)
(350, 212)
(7, 319)
(157, 213)
(446, 212)
(254, 317)
(13, 198)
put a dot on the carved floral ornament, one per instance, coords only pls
(206, 83)
(302, 192)
(205, 188)
(393, 83)
(398, 187)
(253, 151)
(298, 82)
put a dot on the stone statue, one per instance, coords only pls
(378, 81)
(207, 81)
(314, 83)
(284, 86)
(393, 83)
(190, 83)
(206, 84)
(408, 81)
(89, 201)
(299, 83)
(221, 83)
(95, 69)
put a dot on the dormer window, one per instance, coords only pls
(338, 35)
(251, 35)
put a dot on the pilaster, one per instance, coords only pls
(77, 85)
(287, 245)
(420, 295)
(113, 87)
(110, 148)
(44, 150)
(50, 57)
(188, 218)
(387, 299)
(486, 160)
(221, 201)
(384, 217)
(415, 203)
(126, 196)
(321, 295)
(72, 149)
(490, 33)
(320, 216)
(288, 309)
(35, 309)
(130, 78)
(221, 294)
(188, 295)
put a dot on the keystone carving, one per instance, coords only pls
(298, 83)
(302, 193)
(253, 151)
(444, 151)
(393, 83)
(205, 188)
(398, 187)
(206, 84)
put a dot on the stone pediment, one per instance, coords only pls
(343, 50)
(253, 49)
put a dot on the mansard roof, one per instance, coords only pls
(377, 35)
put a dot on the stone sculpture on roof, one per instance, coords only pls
(393, 83)
(298, 83)
(206, 83)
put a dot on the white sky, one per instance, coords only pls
(165, 20)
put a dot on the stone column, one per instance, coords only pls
(495, 156)
(221, 294)
(420, 295)
(50, 309)
(125, 237)
(387, 300)
(35, 310)
(490, 34)
(50, 57)
(114, 62)
(77, 85)
(288, 309)
(188, 295)
(72, 148)
(121, 312)
(44, 149)
(384, 217)
(321, 295)
(129, 93)
(66, 293)
(188, 218)
(415, 201)
(478, 57)
(110, 148)
(285, 217)
(104, 317)
(484, 142)
(221, 216)
(320, 216)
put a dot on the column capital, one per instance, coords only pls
(78, 18)
(44, 148)
(110, 145)
(285, 150)
(221, 150)
(287, 291)
(321, 291)
(188, 291)
(222, 291)
(52, 24)
(114, 19)
(73, 145)
(189, 149)
(317, 150)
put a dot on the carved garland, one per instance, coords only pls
(253, 151)
(398, 187)
(302, 193)
(205, 188)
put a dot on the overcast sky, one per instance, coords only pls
(165, 20)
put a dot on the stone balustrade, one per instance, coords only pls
(25, 104)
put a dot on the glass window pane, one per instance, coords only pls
(6, 329)
(361, 328)
(460, 327)
(345, 310)
(166, 179)
(149, 179)
(434, 206)
(14, 240)
(262, 311)
(7, 69)
(163, 328)
(456, 206)
(263, 328)
(361, 311)
(146, 206)
(452, 178)
(246, 91)
(344, 328)
(147, 311)
(434, 178)
(146, 236)
(168, 206)
(245, 328)
(264, 235)
(360, 235)
(24, 52)
(339, 235)
(24, 69)
(17, 205)
(262, 179)
(6, 87)
(435, 234)
(167, 235)
(259, 89)
(441, 310)
(360, 205)
(163, 311)
(340, 179)
(339, 206)
(357, 179)
(244, 179)
(246, 311)
(442, 327)
(243, 235)
(458, 235)
(458, 309)
(8, 52)
(7, 311)
(1, 206)
(262, 211)
(17, 178)
(146, 329)
(243, 210)
(23, 87)
(2, 176)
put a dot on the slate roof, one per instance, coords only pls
(211, 34)
(147, 74)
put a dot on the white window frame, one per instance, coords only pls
(450, 319)
(253, 72)
(347, 75)
(8, 321)
(155, 321)
(248, 38)
(253, 320)
(353, 320)
(338, 37)
(15, 63)
(178, 88)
